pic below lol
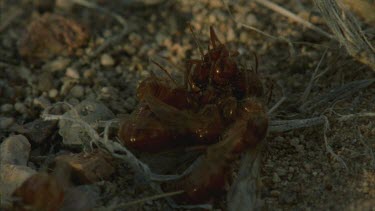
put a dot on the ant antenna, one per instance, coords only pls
(196, 40)
(214, 37)
(165, 71)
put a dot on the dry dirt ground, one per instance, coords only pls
(297, 170)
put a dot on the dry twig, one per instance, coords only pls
(292, 16)
(347, 31)
(313, 78)
(336, 94)
(143, 200)
(328, 147)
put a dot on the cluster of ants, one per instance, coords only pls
(218, 107)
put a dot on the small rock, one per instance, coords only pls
(251, 20)
(67, 85)
(294, 141)
(87, 168)
(45, 81)
(15, 150)
(130, 103)
(57, 64)
(72, 73)
(39, 130)
(53, 93)
(308, 167)
(77, 91)
(288, 198)
(89, 73)
(65, 4)
(275, 193)
(20, 107)
(51, 35)
(35, 190)
(6, 108)
(73, 133)
(279, 139)
(83, 197)
(42, 102)
(107, 60)
(6, 122)
(300, 149)
(276, 178)
(12, 177)
(281, 171)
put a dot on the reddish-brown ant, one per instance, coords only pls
(218, 105)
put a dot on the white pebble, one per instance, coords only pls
(107, 60)
(72, 73)
(53, 93)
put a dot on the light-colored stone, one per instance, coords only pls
(77, 91)
(41, 102)
(6, 108)
(53, 93)
(72, 73)
(12, 177)
(6, 122)
(57, 65)
(20, 107)
(107, 60)
(15, 150)
(73, 133)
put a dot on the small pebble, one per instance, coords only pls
(281, 171)
(275, 193)
(308, 167)
(45, 81)
(11, 177)
(41, 102)
(300, 149)
(6, 122)
(294, 141)
(89, 73)
(77, 91)
(72, 73)
(64, 4)
(57, 65)
(130, 103)
(53, 93)
(288, 198)
(276, 178)
(107, 60)
(20, 107)
(15, 150)
(6, 108)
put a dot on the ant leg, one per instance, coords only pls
(165, 71)
(196, 41)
